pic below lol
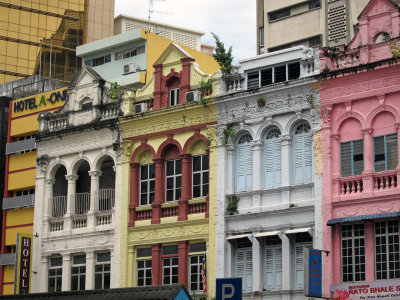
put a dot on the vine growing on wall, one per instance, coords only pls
(229, 132)
(232, 205)
(113, 91)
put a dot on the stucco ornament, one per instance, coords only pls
(42, 162)
(325, 114)
(125, 150)
(212, 136)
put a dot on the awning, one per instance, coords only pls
(267, 233)
(239, 236)
(298, 230)
(332, 222)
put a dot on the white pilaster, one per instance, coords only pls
(94, 197)
(257, 163)
(286, 166)
(257, 264)
(90, 262)
(66, 272)
(70, 201)
(287, 263)
(230, 182)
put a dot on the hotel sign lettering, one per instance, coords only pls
(385, 289)
(39, 100)
(22, 283)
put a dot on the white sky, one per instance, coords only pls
(234, 21)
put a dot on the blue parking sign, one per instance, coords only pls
(229, 288)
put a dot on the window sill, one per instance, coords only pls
(144, 207)
(197, 200)
(170, 204)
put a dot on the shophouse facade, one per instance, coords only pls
(360, 126)
(20, 172)
(77, 199)
(169, 175)
(273, 164)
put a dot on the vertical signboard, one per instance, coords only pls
(313, 273)
(22, 278)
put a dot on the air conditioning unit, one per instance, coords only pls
(129, 68)
(193, 96)
(140, 108)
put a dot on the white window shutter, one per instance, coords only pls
(277, 162)
(298, 159)
(269, 163)
(240, 265)
(244, 268)
(249, 167)
(278, 267)
(240, 168)
(249, 270)
(307, 141)
(269, 268)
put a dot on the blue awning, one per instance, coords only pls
(363, 218)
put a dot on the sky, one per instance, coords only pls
(234, 21)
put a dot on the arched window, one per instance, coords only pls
(173, 174)
(382, 37)
(272, 158)
(244, 163)
(302, 154)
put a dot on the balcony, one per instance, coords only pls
(366, 185)
(21, 146)
(18, 202)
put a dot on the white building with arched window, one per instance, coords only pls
(76, 215)
(269, 156)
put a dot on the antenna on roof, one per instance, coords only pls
(151, 11)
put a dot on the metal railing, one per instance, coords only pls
(82, 203)
(106, 199)
(59, 207)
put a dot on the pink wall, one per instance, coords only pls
(359, 106)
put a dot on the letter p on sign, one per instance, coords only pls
(229, 288)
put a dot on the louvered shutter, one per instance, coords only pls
(249, 167)
(391, 151)
(240, 168)
(345, 159)
(298, 159)
(277, 162)
(307, 142)
(249, 270)
(299, 264)
(240, 266)
(358, 157)
(278, 267)
(269, 163)
(269, 268)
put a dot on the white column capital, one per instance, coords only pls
(95, 174)
(71, 178)
(50, 181)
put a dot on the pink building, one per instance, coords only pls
(360, 114)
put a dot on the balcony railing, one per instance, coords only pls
(385, 181)
(19, 201)
(104, 218)
(197, 208)
(82, 203)
(169, 211)
(59, 207)
(79, 222)
(351, 185)
(56, 225)
(106, 199)
(142, 215)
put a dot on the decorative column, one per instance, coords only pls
(230, 184)
(369, 251)
(70, 200)
(94, 197)
(185, 79)
(286, 143)
(42, 275)
(134, 193)
(398, 147)
(368, 182)
(66, 272)
(287, 262)
(157, 86)
(90, 262)
(156, 264)
(159, 191)
(257, 264)
(131, 267)
(186, 187)
(257, 162)
(48, 204)
(183, 248)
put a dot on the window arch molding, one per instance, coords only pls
(170, 141)
(192, 140)
(272, 158)
(302, 161)
(243, 162)
(266, 126)
(53, 168)
(342, 118)
(101, 157)
(139, 150)
(77, 163)
(376, 111)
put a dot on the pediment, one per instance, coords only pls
(172, 54)
(85, 77)
(376, 7)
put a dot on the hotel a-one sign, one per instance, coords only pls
(22, 279)
(385, 289)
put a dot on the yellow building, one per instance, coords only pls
(20, 174)
(169, 174)
(40, 36)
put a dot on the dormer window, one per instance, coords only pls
(382, 38)
(280, 73)
(87, 104)
(173, 97)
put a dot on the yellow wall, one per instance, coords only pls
(11, 234)
(21, 180)
(24, 126)
(156, 45)
(8, 289)
(22, 161)
(19, 216)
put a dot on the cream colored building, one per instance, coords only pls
(288, 23)
(184, 36)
